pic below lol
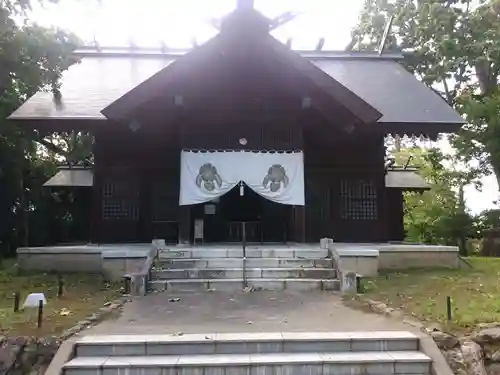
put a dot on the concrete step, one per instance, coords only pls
(188, 285)
(197, 263)
(252, 273)
(368, 363)
(255, 252)
(245, 343)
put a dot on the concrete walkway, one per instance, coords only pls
(208, 312)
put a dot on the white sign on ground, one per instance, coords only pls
(33, 300)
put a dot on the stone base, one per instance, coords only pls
(116, 260)
(361, 261)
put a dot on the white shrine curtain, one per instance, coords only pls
(277, 176)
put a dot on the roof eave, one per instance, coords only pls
(429, 128)
(58, 124)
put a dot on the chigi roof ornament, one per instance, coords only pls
(245, 19)
(245, 4)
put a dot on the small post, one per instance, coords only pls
(448, 308)
(40, 313)
(17, 301)
(127, 281)
(60, 286)
(359, 289)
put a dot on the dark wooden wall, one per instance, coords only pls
(137, 172)
(345, 188)
(136, 185)
(137, 182)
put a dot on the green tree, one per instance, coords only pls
(32, 58)
(437, 216)
(456, 51)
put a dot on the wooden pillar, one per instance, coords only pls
(384, 213)
(290, 225)
(300, 224)
(184, 224)
(96, 211)
(96, 215)
(145, 214)
(395, 215)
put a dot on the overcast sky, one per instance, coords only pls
(178, 22)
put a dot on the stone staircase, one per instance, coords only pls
(335, 353)
(264, 267)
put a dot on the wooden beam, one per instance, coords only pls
(321, 43)
(383, 42)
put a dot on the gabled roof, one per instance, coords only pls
(97, 81)
(392, 90)
(203, 56)
(370, 88)
(90, 86)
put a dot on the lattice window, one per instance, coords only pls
(358, 199)
(120, 199)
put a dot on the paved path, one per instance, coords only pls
(209, 312)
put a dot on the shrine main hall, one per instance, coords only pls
(239, 132)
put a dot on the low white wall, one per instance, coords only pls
(112, 261)
(368, 259)
(60, 259)
(400, 257)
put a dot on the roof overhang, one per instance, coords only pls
(84, 177)
(60, 124)
(72, 177)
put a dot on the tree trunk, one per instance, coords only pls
(462, 240)
(23, 211)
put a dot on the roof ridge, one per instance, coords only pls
(115, 51)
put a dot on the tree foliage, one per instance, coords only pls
(436, 216)
(32, 58)
(456, 51)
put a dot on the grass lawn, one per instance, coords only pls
(83, 295)
(475, 293)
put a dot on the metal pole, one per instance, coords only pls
(244, 238)
(244, 260)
